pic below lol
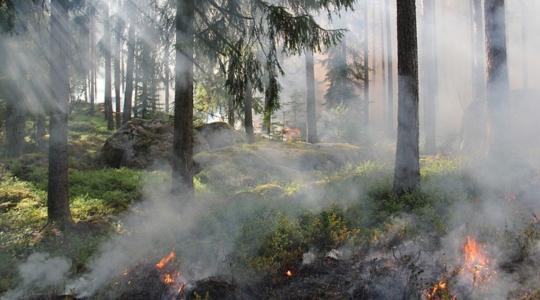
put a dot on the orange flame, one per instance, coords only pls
(439, 291)
(166, 260)
(476, 261)
(289, 273)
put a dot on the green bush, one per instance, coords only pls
(116, 187)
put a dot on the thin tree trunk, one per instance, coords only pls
(182, 170)
(384, 74)
(248, 113)
(166, 81)
(117, 76)
(311, 104)
(407, 165)
(40, 131)
(92, 34)
(15, 124)
(497, 76)
(58, 199)
(366, 65)
(478, 53)
(524, 45)
(389, 72)
(108, 83)
(128, 97)
(430, 76)
(230, 111)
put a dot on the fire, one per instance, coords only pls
(166, 260)
(173, 279)
(476, 261)
(439, 291)
(289, 273)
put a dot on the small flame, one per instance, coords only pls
(173, 279)
(289, 273)
(439, 291)
(476, 261)
(166, 260)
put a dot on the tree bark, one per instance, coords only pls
(366, 65)
(167, 79)
(15, 123)
(248, 112)
(108, 80)
(311, 104)
(478, 54)
(183, 105)
(128, 96)
(429, 76)
(389, 72)
(117, 75)
(92, 37)
(57, 198)
(230, 111)
(407, 165)
(497, 77)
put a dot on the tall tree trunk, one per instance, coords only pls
(248, 112)
(15, 123)
(311, 103)
(366, 65)
(389, 71)
(128, 96)
(108, 83)
(497, 77)
(524, 45)
(40, 131)
(57, 198)
(384, 73)
(429, 75)
(230, 111)
(166, 81)
(92, 63)
(183, 99)
(117, 74)
(407, 165)
(478, 53)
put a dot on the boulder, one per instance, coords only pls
(142, 143)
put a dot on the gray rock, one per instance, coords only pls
(141, 143)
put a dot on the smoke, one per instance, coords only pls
(40, 272)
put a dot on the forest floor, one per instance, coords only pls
(315, 221)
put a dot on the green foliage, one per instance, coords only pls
(328, 230)
(117, 188)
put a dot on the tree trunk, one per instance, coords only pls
(230, 111)
(183, 99)
(248, 113)
(311, 103)
(524, 45)
(407, 165)
(366, 65)
(497, 77)
(117, 75)
(128, 96)
(57, 198)
(167, 80)
(40, 131)
(108, 83)
(389, 72)
(92, 34)
(478, 53)
(429, 76)
(15, 124)
(384, 73)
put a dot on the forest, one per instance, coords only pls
(269, 149)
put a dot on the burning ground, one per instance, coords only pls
(265, 226)
(275, 241)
